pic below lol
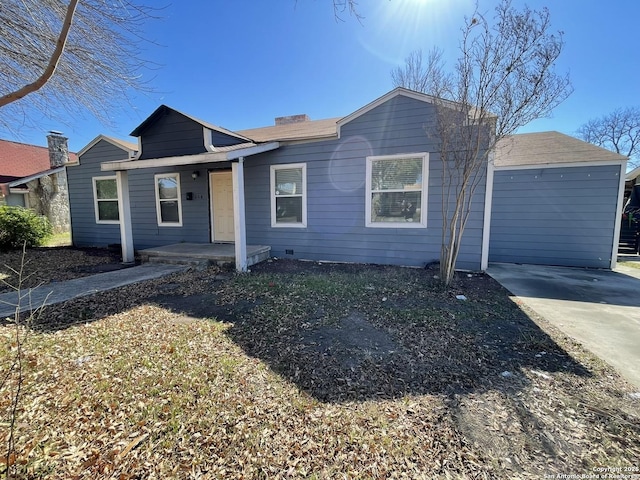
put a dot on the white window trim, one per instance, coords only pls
(272, 181)
(423, 198)
(158, 211)
(95, 200)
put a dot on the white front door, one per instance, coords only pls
(221, 188)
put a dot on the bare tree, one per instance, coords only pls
(75, 55)
(504, 78)
(618, 131)
(420, 74)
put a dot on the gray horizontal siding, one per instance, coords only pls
(146, 232)
(84, 229)
(555, 216)
(336, 172)
(336, 195)
(170, 135)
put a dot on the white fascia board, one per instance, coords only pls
(298, 141)
(633, 174)
(93, 142)
(133, 164)
(209, 157)
(539, 166)
(376, 103)
(35, 176)
(422, 97)
(246, 152)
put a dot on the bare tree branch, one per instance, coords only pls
(504, 78)
(53, 62)
(618, 131)
(69, 56)
(342, 6)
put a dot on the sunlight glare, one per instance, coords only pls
(400, 26)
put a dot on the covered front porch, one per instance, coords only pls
(212, 253)
(237, 251)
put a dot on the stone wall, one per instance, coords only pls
(49, 196)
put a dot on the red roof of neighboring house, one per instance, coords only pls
(21, 160)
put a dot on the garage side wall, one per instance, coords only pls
(555, 216)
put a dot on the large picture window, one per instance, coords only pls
(396, 191)
(289, 195)
(168, 204)
(105, 196)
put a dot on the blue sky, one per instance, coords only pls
(239, 64)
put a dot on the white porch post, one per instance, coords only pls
(486, 226)
(124, 210)
(618, 221)
(240, 233)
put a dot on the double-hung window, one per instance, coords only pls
(397, 191)
(289, 195)
(105, 198)
(168, 203)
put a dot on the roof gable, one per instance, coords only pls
(400, 91)
(128, 147)
(543, 148)
(383, 99)
(164, 110)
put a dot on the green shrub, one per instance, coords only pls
(19, 225)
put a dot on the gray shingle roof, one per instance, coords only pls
(293, 131)
(549, 148)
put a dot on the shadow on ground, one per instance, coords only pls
(360, 332)
(585, 285)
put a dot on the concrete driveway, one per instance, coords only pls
(598, 308)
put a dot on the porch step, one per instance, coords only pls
(203, 254)
(257, 255)
(191, 261)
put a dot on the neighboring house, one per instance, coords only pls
(362, 188)
(630, 229)
(35, 177)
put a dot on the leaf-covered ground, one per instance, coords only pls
(54, 264)
(308, 370)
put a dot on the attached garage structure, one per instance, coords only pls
(556, 200)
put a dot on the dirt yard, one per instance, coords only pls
(313, 370)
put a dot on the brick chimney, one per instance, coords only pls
(292, 119)
(58, 149)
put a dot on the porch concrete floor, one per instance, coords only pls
(219, 253)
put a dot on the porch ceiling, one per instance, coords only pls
(222, 154)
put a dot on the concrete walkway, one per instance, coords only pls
(598, 308)
(62, 291)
